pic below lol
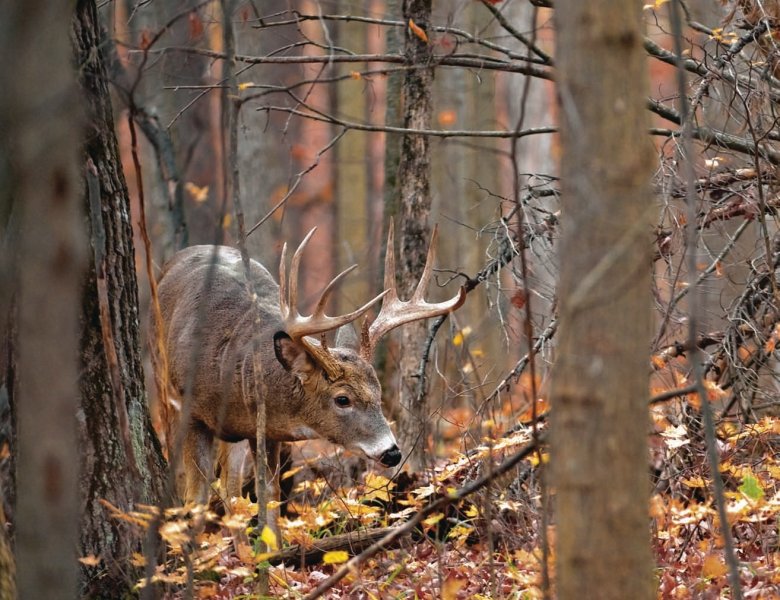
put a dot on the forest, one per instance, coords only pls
(553, 372)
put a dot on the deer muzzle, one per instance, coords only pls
(391, 457)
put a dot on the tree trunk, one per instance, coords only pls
(121, 457)
(39, 121)
(414, 175)
(600, 386)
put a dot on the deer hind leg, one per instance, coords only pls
(197, 463)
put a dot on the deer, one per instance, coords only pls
(253, 331)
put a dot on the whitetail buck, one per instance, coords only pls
(312, 389)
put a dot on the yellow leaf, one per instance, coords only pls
(355, 75)
(335, 557)
(433, 519)
(713, 567)
(534, 459)
(245, 85)
(269, 537)
(418, 31)
(90, 560)
(451, 587)
(378, 487)
(459, 337)
(694, 482)
(291, 472)
(138, 560)
(226, 221)
(199, 194)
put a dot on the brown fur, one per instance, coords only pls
(215, 359)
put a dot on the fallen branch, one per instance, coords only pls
(353, 542)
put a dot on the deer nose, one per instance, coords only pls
(391, 457)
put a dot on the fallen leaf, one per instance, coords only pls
(451, 587)
(335, 557)
(713, 567)
(751, 487)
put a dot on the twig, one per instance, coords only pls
(316, 115)
(519, 367)
(480, 62)
(298, 178)
(514, 32)
(460, 33)
(695, 359)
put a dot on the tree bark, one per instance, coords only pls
(121, 459)
(39, 119)
(414, 181)
(600, 418)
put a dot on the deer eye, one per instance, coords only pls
(342, 401)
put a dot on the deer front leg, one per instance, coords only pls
(273, 475)
(270, 483)
(197, 462)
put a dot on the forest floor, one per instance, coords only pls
(488, 544)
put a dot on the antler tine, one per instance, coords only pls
(389, 279)
(325, 296)
(319, 311)
(284, 300)
(294, 266)
(425, 279)
(396, 312)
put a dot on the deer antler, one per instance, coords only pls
(396, 312)
(298, 327)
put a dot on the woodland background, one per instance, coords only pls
(586, 204)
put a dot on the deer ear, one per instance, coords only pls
(347, 338)
(292, 356)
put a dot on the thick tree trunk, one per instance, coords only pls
(39, 121)
(600, 386)
(121, 458)
(414, 175)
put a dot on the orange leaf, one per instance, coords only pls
(447, 117)
(146, 39)
(713, 567)
(196, 25)
(519, 298)
(658, 362)
(90, 560)
(198, 193)
(418, 31)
